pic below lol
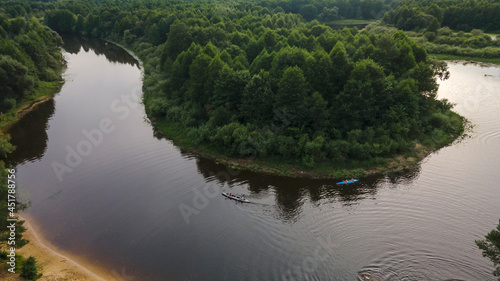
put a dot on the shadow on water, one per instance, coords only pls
(291, 192)
(29, 135)
(113, 53)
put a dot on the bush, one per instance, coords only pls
(157, 107)
(313, 152)
(476, 32)
(30, 269)
(8, 104)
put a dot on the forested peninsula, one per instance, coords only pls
(267, 86)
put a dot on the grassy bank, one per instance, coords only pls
(326, 169)
(44, 92)
(455, 57)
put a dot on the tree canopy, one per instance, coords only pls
(267, 77)
(269, 74)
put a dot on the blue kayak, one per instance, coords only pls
(347, 182)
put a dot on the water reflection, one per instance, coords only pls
(113, 53)
(29, 135)
(291, 193)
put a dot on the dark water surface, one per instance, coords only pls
(119, 201)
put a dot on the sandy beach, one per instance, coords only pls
(57, 264)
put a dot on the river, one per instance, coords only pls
(104, 186)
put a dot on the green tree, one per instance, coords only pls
(179, 39)
(80, 20)
(309, 12)
(30, 270)
(341, 69)
(363, 96)
(5, 146)
(198, 78)
(257, 100)
(292, 94)
(491, 248)
(60, 20)
(229, 88)
(14, 78)
(434, 25)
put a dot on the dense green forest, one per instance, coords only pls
(29, 59)
(258, 79)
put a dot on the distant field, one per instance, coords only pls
(454, 57)
(492, 35)
(349, 22)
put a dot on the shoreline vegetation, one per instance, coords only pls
(446, 57)
(42, 94)
(326, 170)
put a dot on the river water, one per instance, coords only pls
(104, 186)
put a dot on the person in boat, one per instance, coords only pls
(345, 181)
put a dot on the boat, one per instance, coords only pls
(347, 182)
(235, 197)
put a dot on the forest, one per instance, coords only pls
(29, 57)
(260, 79)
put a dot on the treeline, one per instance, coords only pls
(445, 41)
(324, 10)
(250, 81)
(29, 55)
(463, 15)
(431, 24)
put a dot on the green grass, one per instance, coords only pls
(492, 35)
(455, 57)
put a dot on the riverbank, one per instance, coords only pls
(324, 170)
(55, 263)
(44, 92)
(465, 58)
